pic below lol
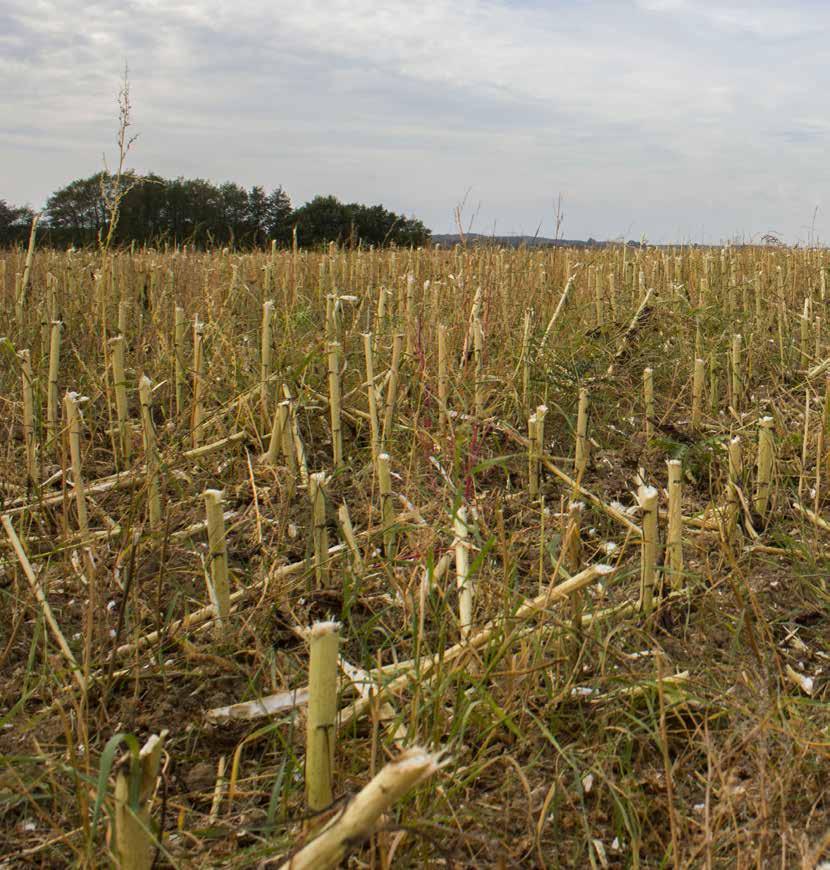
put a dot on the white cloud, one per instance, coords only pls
(658, 115)
(759, 18)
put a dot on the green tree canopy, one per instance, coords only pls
(15, 222)
(154, 210)
(326, 219)
(279, 216)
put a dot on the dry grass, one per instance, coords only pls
(567, 742)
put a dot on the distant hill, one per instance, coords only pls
(448, 240)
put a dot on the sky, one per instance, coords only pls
(673, 120)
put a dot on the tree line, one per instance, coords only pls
(155, 210)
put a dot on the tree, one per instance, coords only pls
(378, 226)
(278, 221)
(142, 210)
(78, 210)
(153, 210)
(195, 211)
(257, 217)
(233, 204)
(14, 222)
(326, 219)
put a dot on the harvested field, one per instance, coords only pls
(459, 456)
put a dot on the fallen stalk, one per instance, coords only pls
(553, 595)
(597, 502)
(207, 614)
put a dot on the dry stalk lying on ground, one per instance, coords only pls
(627, 659)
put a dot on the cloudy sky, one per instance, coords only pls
(677, 119)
